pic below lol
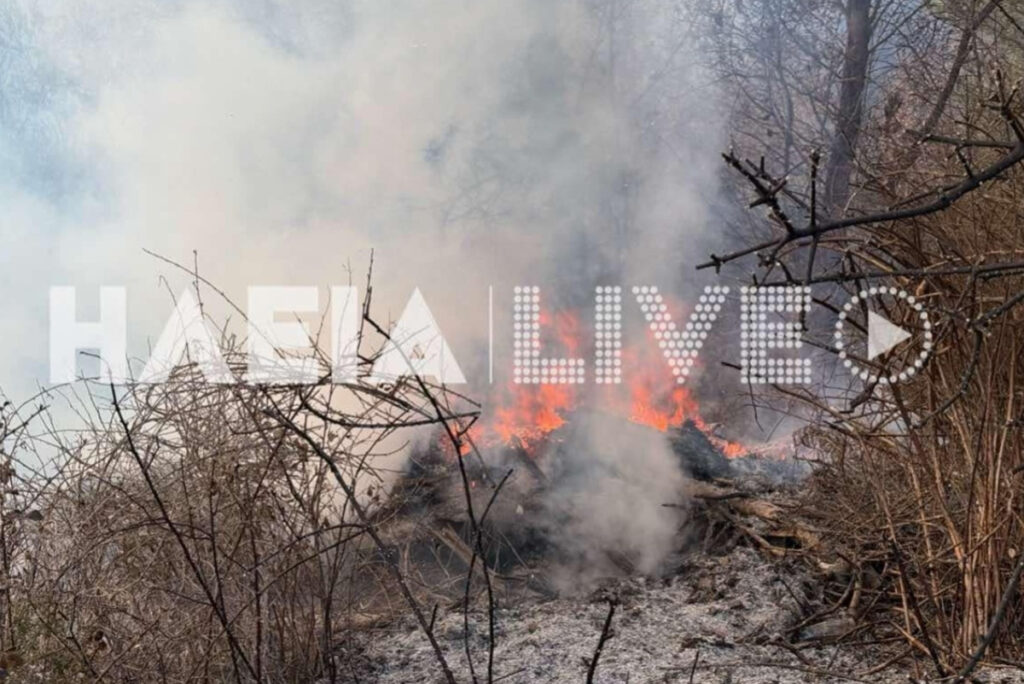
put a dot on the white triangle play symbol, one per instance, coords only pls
(883, 335)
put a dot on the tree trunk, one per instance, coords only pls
(851, 105)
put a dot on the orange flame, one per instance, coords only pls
(532, 412)
(650, 396)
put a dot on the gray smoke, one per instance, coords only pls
(469, 143)
(605, 512)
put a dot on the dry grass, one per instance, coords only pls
(188, 531)
(920, 494)
(931, 472)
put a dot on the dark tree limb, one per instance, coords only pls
(962, 51)
(945, 199)
(606, 634)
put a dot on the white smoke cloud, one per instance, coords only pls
(606, 507)
(468, 143)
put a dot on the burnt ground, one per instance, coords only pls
(728, 614)
(738, 601)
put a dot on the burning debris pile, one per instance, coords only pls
(595, 497)
(577, 484)
(701, 563)
(598, 495)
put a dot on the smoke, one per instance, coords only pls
(469, 143)
(605, 512)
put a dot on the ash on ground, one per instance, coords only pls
(736, 594)
(730, 615)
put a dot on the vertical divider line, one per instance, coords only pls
(490, 334)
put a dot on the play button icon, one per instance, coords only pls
(883, 335)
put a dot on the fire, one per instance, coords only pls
(661, 413)
(648, 395)
(566, 329)
(531, 413)
(730, 449)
